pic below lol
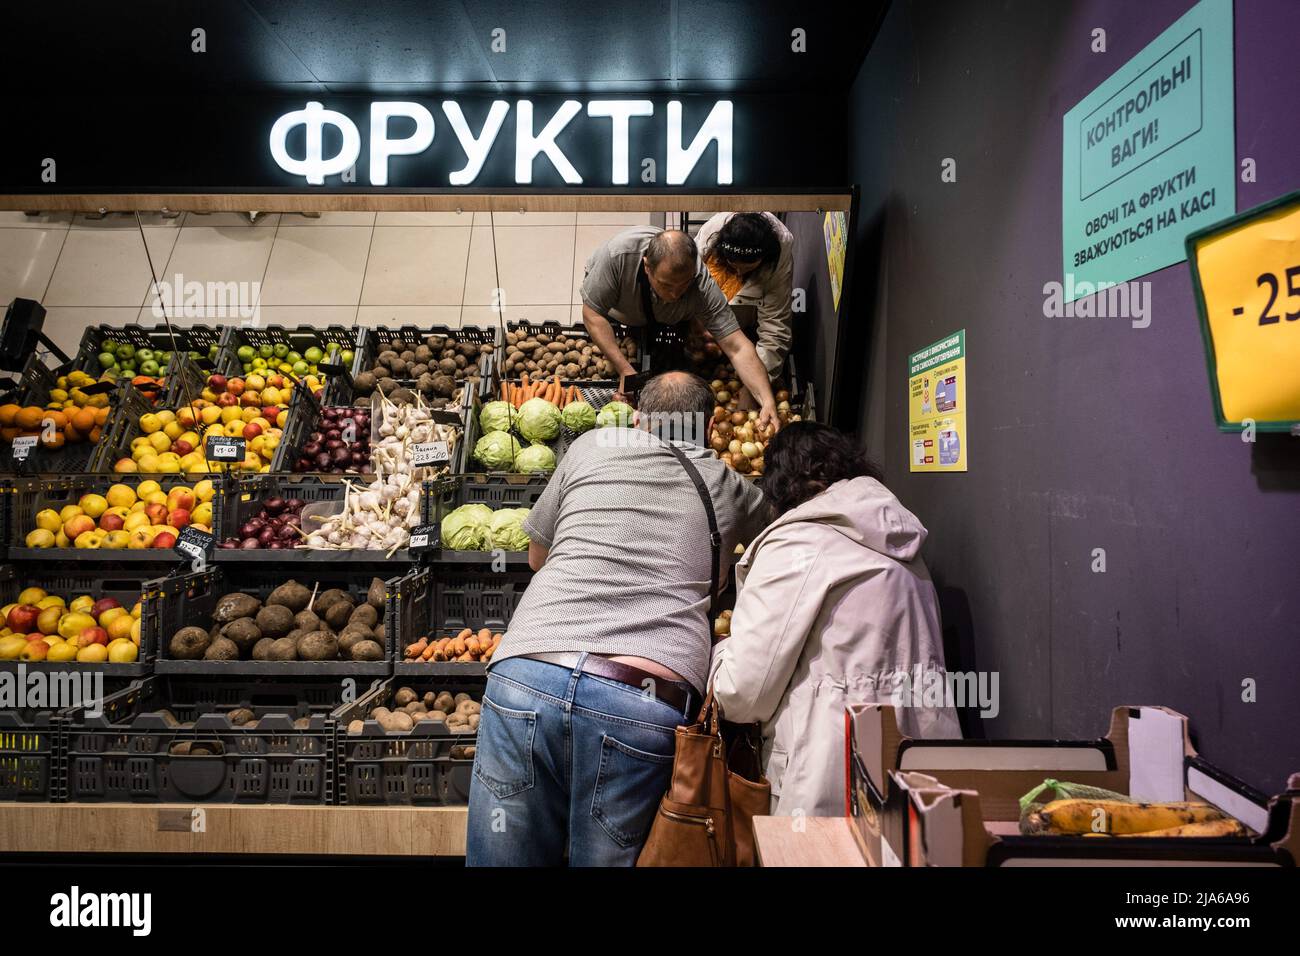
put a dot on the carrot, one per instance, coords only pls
(465, 634)
(578, 392)
(485, 636)
(428, 652)
(504, 387)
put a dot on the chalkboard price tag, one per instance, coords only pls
(423, 537)
(429, 453)
(220, 448)
(193, 542)
(23, 446)
(99, 388)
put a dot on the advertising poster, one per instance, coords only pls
(835, 229)
(1149, 156)
(936, 406)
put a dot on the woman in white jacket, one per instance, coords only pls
(833, 606)
(751, 257)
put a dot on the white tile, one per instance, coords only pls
(318, 316)
(614, 218)
(44, 220)
(217, 254)
(452, 218)
(316, 266)
(533, 264)
(27, 259)
(421, 316)
(328, 219)
(516, 218)
(416, 265)
(482, 315)
(65, 325)
(588, 238)
(236, 220)
(109, 266)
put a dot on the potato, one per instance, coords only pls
(327, 598)
(473, 721)
(188, 644)
(231, 607)
(356, 726)
(337, 615)
(377, 594)
(404, 696)
(366, 651)
(240, 716)
(467, 707)
(292, 595)
(284, 649)
(262, 649)
(243, 632)
(318, 646)
(306, 621)
(222, 649)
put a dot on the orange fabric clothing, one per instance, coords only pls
(729, 282)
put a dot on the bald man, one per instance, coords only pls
(651, 276)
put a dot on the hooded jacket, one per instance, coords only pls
(833, 605)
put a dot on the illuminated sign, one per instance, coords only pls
(313, 161)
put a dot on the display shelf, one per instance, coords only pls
(127, 828)
(158, 557)
(408, 669)
(310, 556)
(821, 841)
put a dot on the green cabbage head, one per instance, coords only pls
(535, 458)
(496, 417)
(615, 413)
(539, 420)
(507, 529)
(578, 416)
(466, 528)
(497, 451)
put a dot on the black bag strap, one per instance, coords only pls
(715, 536)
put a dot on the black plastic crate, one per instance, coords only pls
(442, 605)
(241, 498)
(29, 754)
(122, 427)
(189, 599)
(579, 331)
(131, 754)
(304, 418)
(298, 339)
(32, 495)
(425, 766)
(125, 585)
(372, 339)
(34, 387)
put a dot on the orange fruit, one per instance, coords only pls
(93, 437)
(9, 434)
(84, 420)
(29, 418)
(55, 442)
(8, 413)
(57, 417)
(101, 415)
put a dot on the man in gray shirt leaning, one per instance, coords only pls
(608, 649)
(646, 276)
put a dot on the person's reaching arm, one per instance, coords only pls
(749, 369)
(602, 334)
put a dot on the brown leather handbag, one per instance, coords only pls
(717, 788)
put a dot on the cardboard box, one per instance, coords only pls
(956, 802)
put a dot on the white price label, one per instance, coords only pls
(224, 451)
(23, 447)
(190, 548)
(419, 541)
(429, 453)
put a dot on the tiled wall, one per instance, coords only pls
(373, 268)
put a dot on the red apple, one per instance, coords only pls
(235, 386)
(111, 522)
(225, 399)
(164, 539)
(252, 430)
(270, 412)
(276, 381)
(217, 383)
(34, 651)
(250, 400)
(102, 605)
(182, 447)
(156, 512)
(22, 619)
(92, 635)
(181, 497)
(179, 518)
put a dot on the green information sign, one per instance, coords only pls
(1148, 156)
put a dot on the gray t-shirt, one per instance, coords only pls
(628, 568)
(609, 286)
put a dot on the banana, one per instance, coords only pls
(1118, 817)
(1214, 828)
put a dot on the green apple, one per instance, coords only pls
(293, 357)
(246, 353)
(280, 350)
(126, 351)
(313, 355)
(300, 368)
(347, 357)
(107, 360)
(149, 367)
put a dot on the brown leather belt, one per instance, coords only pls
(675, 694)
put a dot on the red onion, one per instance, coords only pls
(249, 544)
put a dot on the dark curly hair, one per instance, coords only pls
(803, 459)
(750, 232)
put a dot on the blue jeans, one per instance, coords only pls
(568, 766)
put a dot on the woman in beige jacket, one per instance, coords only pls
(833, 606)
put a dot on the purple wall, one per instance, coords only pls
(1083, 433)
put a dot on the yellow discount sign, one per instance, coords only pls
(1246, 271)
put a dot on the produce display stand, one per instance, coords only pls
(806, 841)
